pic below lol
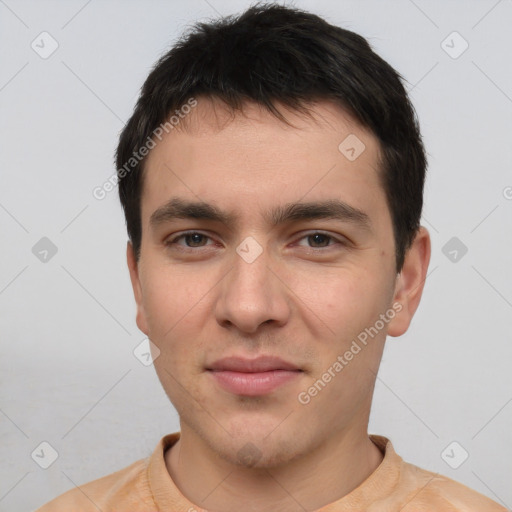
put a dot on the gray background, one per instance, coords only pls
(68, 373)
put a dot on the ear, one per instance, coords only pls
(133, 267)
(410, 282)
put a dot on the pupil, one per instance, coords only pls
(195, 238)
(317, 236)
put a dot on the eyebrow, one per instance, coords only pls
(177, 208)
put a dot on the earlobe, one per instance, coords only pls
(410, 282)
(136, 286)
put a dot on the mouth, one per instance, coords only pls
(253, 377)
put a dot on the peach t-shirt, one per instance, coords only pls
(145, 486)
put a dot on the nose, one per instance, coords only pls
(252, 294)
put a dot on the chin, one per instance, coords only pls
(261, 444)
(255, 454)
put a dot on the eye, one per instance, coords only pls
(192, 239)
(319, 240)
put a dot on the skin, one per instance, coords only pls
(303, 299)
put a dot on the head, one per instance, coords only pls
(274, 212)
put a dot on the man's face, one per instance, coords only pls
(243, 287)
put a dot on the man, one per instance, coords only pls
(272, 179)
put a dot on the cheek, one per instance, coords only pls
(343, 301)
(178, 307)
(171, 297)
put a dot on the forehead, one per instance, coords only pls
(251, 159)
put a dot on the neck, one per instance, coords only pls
(323, 476)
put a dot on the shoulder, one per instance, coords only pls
(433, 492)
(127, 487)
(409, 488)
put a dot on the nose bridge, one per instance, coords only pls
(250, 293)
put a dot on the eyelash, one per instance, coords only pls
(173, 241)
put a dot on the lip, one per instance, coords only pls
(245, 365)
(253, 377)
